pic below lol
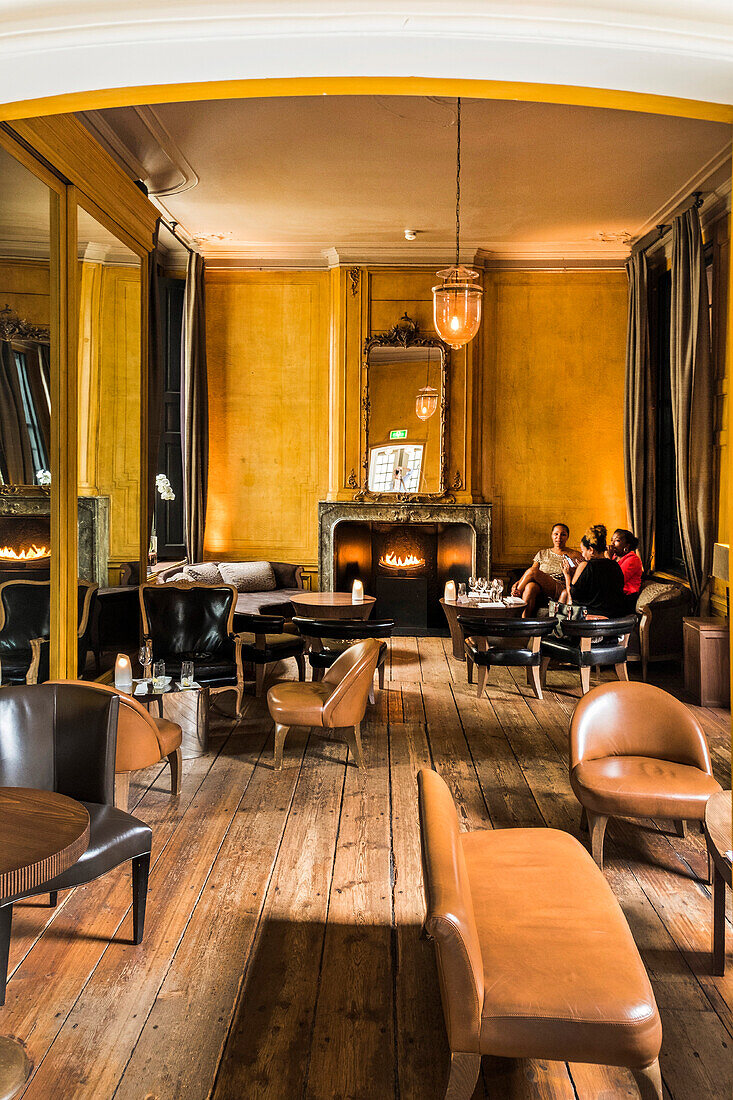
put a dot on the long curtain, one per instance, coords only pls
(17, 457)
(692, 387)
(639, 427)
(194, 409)
(156, 370)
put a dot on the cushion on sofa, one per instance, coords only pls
(656, 590)
(206, 572)
(249, 576)
(284, 574)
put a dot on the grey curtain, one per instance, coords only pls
(156, 372)
(639, 426)
(194, 409)
(15, 448)
(692, 398)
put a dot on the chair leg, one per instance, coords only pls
(281, 733)
(53, 899)
(140, 872)
(649, 1081)
(583, 820)
(357, 743)
(122, 790)
(680, 827)
(464, 1071)
(240, 697)
(535, 680)
(6, 920)
(469, 669)
(300, 661)
(380, 672)
(202, 716)
(176, 764)
(622, 671)
(318, 674)
(371, 693)
(585, 679)
(483, 675)
(644, 668)
(260, 671)
(597, 825)
(544, 665)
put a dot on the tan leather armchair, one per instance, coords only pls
(535, 958)
(335, 702)
(636, 751)
(142, 741)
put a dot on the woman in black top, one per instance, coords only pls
(598, 582)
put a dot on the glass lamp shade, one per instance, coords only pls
(457, 306)
(426, 402)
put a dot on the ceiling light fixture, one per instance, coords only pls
(426, 401)
(457, 300)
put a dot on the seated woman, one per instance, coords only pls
(622, 549)
(544, 576)
(598, 582)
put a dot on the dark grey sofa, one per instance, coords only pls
(274, 601)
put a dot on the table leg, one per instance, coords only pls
(718, 933)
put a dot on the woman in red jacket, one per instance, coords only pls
(623, 548)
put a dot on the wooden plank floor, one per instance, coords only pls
(282, 955)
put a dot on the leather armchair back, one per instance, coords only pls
(450, 919)
(25, 613)
(187, 618)
(137, 738)
(636, 719)
(351, 674)
(59, 737)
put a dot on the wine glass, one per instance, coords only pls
(471, 583)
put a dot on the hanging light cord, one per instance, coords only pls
(458, 178)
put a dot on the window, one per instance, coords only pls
(395, 469)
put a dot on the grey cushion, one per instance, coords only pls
(207, 572)
(267, 603)
(249, 576)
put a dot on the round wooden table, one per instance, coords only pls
(717, 829)
(42, 834)
(331, 605)
(452, 609)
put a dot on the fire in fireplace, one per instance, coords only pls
(391, 560)
(24, 546)
(30, 553)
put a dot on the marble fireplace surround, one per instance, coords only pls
(331, 513)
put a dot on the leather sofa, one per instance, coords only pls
(535, 958)
(288, 580)
(660, 607)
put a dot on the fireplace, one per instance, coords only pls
(405, 566)
(25, 535)
(25, 547)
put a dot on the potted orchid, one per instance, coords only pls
(165, 490)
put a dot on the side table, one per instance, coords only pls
(707, 661)
(42, 834)
(717, 829)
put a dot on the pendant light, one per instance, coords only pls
(457, 300)
(426, 401)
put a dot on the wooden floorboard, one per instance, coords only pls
(283, 954)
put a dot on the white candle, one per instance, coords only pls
(123, 672)
(450, 590)
(357, 592)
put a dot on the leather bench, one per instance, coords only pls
(535, 958)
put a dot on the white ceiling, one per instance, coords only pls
(317, 180)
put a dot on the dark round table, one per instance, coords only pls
(42, 834)
(717, 829)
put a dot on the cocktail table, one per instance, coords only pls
(717, 829)
(452, 609)
(42, 834)
(331, 605)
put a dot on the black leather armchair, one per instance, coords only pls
(586, 643)
(62, 737)
(186, 621)
(520, 650)
(264, 642)
(338, 635)
(25, 627)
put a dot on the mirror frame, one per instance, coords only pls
(404, 334)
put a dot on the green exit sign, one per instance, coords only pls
(398, 433)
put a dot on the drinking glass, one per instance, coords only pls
(461, 590)
(158, 675)
(186, 674)
(499, 589)
(471, 583)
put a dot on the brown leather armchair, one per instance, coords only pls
(142, 741)
(535, 958)
(636, 751)
(337, 701)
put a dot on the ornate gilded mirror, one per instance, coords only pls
(404, 415)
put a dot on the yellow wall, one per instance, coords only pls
(722, 364)
(109, 399)
(553, 391)
(25, 287)
(267, 349)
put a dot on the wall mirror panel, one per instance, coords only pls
(110, 465)
(25, 423)
(405, 414)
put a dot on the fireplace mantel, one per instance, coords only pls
(331, 513)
